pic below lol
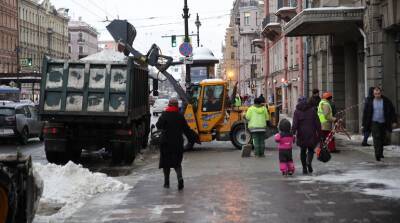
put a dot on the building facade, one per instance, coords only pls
(246, 22)
(82, 39)
(43, 32)
(283, 70)
(229, 56)
(8, 36)
(356, 48)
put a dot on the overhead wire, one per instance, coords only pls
(86, 8)
(102, 9)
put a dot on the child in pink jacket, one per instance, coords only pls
(285, 140)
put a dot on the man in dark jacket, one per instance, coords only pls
(315, 98)
(307, 128)
(379, 116)
(366, 133)
(173, 126)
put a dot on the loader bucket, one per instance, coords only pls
(122, 32)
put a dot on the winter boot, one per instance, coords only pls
(180, 184)
(305, 171)
(309, 162)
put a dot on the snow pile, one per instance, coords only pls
(106, 55)
(72, 185)
(381, 182)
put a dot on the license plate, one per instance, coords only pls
(6, 131)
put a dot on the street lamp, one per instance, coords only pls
(198, 24)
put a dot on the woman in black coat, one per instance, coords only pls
(173, 126)
(307, 127)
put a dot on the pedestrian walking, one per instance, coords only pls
(262, 99)
(315, 98)
(173, 126)
(367, 132)
(307, 128)
(379, 116)
(257, 115)
(285, 140)
(327, 119)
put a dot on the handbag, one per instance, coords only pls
(323, 154)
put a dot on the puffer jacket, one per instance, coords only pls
(306, 125)
(257, 115)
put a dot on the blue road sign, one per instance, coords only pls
(186, 49)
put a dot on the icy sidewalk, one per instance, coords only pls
(67, 188)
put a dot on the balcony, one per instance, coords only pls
(258, 43)
(286, 13)
(272, 29)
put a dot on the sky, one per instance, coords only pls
(156, 18)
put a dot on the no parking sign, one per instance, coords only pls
(186, 49)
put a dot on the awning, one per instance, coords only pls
(324, 21)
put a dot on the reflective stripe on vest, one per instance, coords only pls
(322, 117)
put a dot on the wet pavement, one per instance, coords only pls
(220, 186)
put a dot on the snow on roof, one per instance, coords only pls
(286, 8)
(340, 8)
(8, 87)
(212, 80)
(106, 55)
(203, 53)
(273, 24)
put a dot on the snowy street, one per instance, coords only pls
(220, 186)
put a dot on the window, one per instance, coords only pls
(247, 18)
(69, 37)
(69, 49)
(232, 56)
(252, 48)
(80, 49)
(80, 36)
(212, 98)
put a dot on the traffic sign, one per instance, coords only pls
(186, 49)
(186, 60)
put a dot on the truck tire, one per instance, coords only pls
(10, 203)
(117, 153)
(130, 152)
(239, 135)
(74, 151)
(187, 146)
(56, 157)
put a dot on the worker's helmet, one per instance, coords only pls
(327, 95)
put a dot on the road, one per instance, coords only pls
(220, 186)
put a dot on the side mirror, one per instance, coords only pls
(155, 87)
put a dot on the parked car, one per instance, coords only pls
(159, 106)
(20, 121)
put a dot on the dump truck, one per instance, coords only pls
(93, 105)
(20, 189)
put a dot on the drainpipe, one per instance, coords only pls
(365, 62)
(306, 62)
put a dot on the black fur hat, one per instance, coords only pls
(284, 126)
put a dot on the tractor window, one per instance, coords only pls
(194, 95)
(213, 98)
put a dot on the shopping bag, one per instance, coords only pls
(323, 154)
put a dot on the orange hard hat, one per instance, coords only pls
(326, 95)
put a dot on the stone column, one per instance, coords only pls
(351, 89)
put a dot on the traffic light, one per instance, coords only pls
(173, 41)
(29, 62)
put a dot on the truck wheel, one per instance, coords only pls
(7, 188)
(187, 146)
(239, 136)
(130, 151)
(59, 158)
(74, 151)
(24, 136)
(117, 153)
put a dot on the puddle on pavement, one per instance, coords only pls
(48, 209)
(115, 172)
